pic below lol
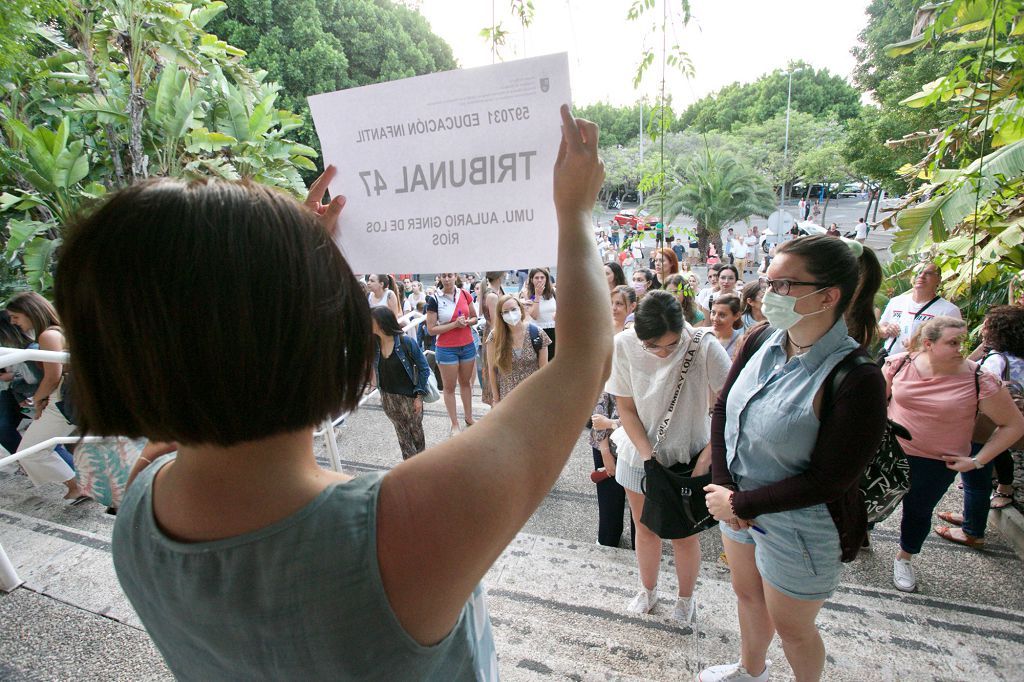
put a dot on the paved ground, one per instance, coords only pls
(557, 600)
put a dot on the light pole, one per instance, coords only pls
(785, 147)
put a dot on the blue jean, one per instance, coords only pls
(977, 493)
(929, 481)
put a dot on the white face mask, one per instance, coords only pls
(640, 287)
(780, 311)
(512, 317)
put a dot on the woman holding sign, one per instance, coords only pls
(371, 577)
(450, 314)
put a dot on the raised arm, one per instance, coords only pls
(444, 516)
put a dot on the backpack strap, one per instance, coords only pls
(535, 339)
(756, 338)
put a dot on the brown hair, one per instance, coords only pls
(1004, 329)
(733, 303)
(832, 261)
(679, 286)
(209, 312)
(549, 291)
(36, 308)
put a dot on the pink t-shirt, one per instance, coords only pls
(938, 411)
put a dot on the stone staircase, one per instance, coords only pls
(557, 600)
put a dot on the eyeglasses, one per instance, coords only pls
(653, 348)
(782, 286)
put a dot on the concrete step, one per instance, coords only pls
(557, 601)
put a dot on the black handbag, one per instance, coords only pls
(674, 505)
(886, 478)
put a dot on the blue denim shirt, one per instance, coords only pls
(409, 354)
(770, 426)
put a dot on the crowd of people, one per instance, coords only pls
(730, 378)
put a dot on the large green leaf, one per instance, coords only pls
(21, 232)
(935, 218)
(71, 165)
(906, 46)
(204, 15)
(36, 260)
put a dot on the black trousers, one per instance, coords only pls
(1004, 467)
(611, 505)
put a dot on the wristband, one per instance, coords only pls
(977, 464)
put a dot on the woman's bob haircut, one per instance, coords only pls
(209, 312)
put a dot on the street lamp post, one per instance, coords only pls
(785, 148)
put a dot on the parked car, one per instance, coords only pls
(850, 192)
(637, 220)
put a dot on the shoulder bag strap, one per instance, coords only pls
(916, 315)
(688, 358)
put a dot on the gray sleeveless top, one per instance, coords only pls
(300, 599)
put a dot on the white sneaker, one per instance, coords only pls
(733, 672)
(685, 610)
(644, 601)
(903, 576)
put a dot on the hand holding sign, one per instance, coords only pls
(327, 213)
(579, 171)
(449, 171)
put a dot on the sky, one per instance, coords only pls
(726, 40)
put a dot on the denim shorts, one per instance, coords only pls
(455, 354)
(798, 554)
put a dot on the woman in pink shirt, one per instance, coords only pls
(936, 395)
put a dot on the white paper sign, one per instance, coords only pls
(450, 171)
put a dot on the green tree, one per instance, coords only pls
(314, 46)
(883, 139)
(816, 92)
(715, 189)
(825, 165)
(619, 125)
(125, 89)
(763, 146)
(968, 211)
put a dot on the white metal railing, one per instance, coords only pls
(10, 356)
(9, 579)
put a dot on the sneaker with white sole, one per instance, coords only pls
(732, 672)
(903, 576)
(685, 610)
(644, 601)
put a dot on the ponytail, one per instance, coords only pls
(860, 315)
(853, 268)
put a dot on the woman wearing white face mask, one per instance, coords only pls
(786, 463)
(515, 350)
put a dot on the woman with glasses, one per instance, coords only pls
(787, 464)
(647, 363)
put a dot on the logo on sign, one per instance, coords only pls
(545, 83)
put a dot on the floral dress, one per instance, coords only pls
(524, 362)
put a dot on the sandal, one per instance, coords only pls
(952, 518)
(946, 533)
(1001, 500)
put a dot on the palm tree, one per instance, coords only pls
(716, 190)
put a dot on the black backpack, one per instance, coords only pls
(535, 339)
